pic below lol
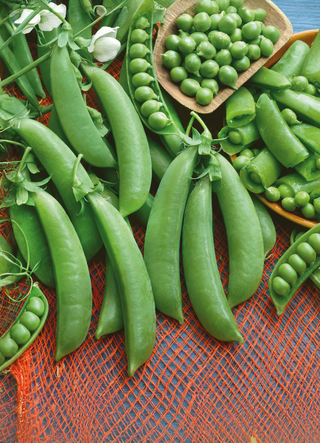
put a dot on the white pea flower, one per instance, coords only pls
(104, 44)
(46, 20)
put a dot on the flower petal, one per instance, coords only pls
(49, 21)
(60, 9)
(33, 22)
(106, 48)
(106, 31)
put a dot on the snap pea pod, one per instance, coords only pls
(308, 168)
(110, 19)
(269, 79)
(245, 136)
(132, 148)
(315, 276)
(59, 160)
(276, 133)
(44, 38)
(133, 282)
(245, 241)
(268, 229)
(297, 183)
(261, 172)
(307, 107)
(298, 262)
(55, 126)
(160, 159)
(309, 135)
(21, 50)
(157, 118)
(19, 337)
(5, 247)
(73, 114)
(79, 19)
(162, 239)
(240, 108)
(110, 317)
(27, 219)
(311, 66)
(291, 63)
(200, 266)
(124, 19)
(23, 83)
(73, 284)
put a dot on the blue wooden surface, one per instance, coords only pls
(303, 14)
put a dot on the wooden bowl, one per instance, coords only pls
(274, 17)
(307, 37)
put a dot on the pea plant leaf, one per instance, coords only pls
(213, 170)
(21, 195)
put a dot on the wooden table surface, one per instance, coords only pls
(303, 14)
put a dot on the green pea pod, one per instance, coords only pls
(133, 154)
(44, 38)
(240, 108)
(307, 107)
(27, 219)
(297, 183)
(5, 247)
(133, 282)
(247, 134)
(25, 342)
(22, 52)
(73, 284)
(269, 79)
(245, 241)
(110, 19)
(55, 126)
(142, 215)
(277, 135)
(59, 161)
(309, 135)
(79, 19)
(308, 168)
(315, 276)
(203, 281)
(165, 125)
(110, 318)
(265, 169)
(268, 229)
(124, 19)
(73, 114)
(311, 67)
(160, 159)
(162, 240)
(291, 63)
(23, 83)
(281, 301)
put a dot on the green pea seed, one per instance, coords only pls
(149, 107)
(266, 47)
(189, 87)
(201, 22)
(299, 83)
(287, 272)
(20, 334)
(8, 347)
(204, 96)
(172, 42)
(141, 79)
(314, 241)
(143, 93)
(255, 177)
(138, 50)
(212, 84)
(280, 286)
(139, 36)
(247, 152)
(235, 137)
(302, 198)
(158, 120)
(178, 74)
(30, 320)
(289, 204)
(142, 23)
(285, 191)
(240, 162)
(297, 263)
(308, 211)
(290, 116)
(272, 194)
(138, 65)
(306, 252)
(184, 22)
(171, 59)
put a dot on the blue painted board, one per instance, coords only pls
(303, 14)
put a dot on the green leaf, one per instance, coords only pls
(21, 196)
(158, 13)
(8, 200)
(31, 164)
(63, 39)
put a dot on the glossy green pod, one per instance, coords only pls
(202, 276)
(35, 292)
(244, 236)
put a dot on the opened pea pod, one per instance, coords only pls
(26, 327)
(294, 267)
(235, 140)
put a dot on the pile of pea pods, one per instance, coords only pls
(95, 172)
(218, 42)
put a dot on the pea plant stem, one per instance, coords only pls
(23, 71)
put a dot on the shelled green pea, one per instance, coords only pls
(229, 33)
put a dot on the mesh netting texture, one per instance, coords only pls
(193, 389)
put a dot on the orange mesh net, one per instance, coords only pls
(193, 388)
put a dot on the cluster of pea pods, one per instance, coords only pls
(90, 212)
